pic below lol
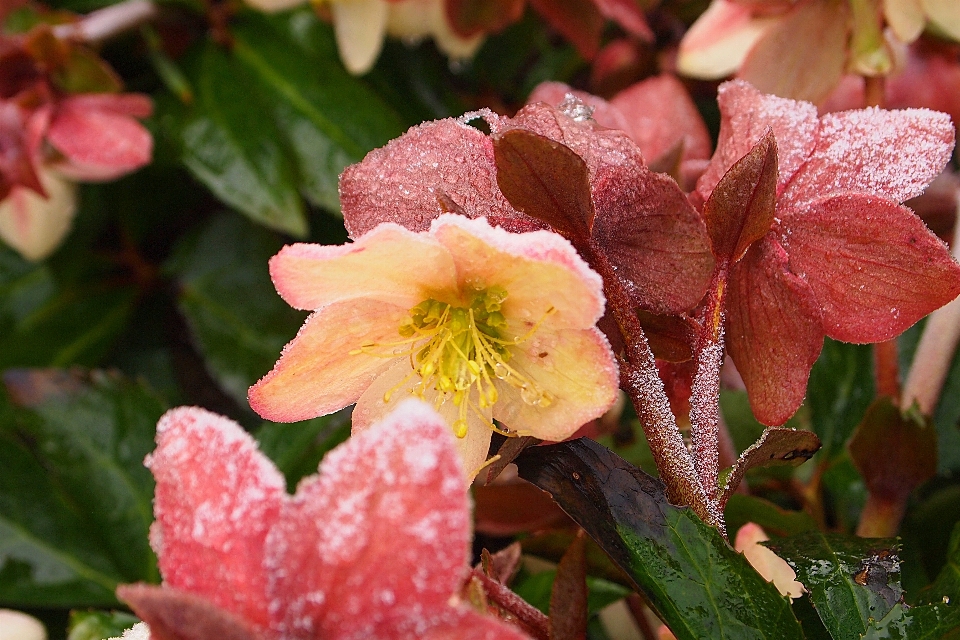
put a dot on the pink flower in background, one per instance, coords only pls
(376, 545)
(842, 257)
(768, 564)
(481, 323)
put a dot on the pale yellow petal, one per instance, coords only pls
(389, 263)
(33, 225)
(905, 18)
(540, 271)
(15, 625)
(271, 6)
(399, 382)
(360, 26)
(945, 15)
(317, 374)
(719, 40)
(576, 371)
(768, 564)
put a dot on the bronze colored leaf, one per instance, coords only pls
(776, 445)
(568, 599)
(177, 615)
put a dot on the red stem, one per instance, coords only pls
(529, 616)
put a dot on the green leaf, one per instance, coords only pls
(695, 582)
(841, 388)
(75, 498)
(99, 625)
(947, 584)
(329, 118)
(928, 622)
(297, 448)
(536, 588)
(742, 509)
(228, 145)
(851, 580)
(236, 319)
(49, 321)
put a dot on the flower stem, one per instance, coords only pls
(105, 23)
(639, 378)
(886, 369)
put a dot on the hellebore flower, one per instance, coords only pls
(772, 567)
(639, 218)
(15, 625)
(482, 323)
(376, 545)
(824, 246)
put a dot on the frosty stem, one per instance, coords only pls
(640, 380)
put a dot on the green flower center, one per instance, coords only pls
(454, 349)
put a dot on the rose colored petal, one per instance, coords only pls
(317, 373)
(539, 270)
(658, 241)
(98, 143)
(547, 359)
(873, 266)
(745, 115)
(555, 93)
(34, 225)
(597, 145)
(717, 43)
(773, 331)
(376, 544)
(660, 113)
(772, 567)
(216, 498)
(463, 623)
(931, 79)
(19, 142)
(905, 18)
(629, 15)
(135, 105)
(780, 65)
(139, 631)
(376, 266)
(400, 384)
(402, 181)
(173, 614)
(892, 154)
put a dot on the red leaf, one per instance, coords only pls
(568, 598)
(177, 615)
(579, 21)
(741, 208)
(216, 499)
(511, 507)
(379, 538)
(774, 333)
(472, 17)
(777, 445)
(17, 150)
(873, 266)
(629, 15)
(658, 241)
(546, 180)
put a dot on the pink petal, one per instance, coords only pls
(378, 542)
(135, 105)
(773, 331)
(873, 266)
(554, 94)
(404, 181)
(716, 44)
(317, 374)
(466, 624)
(772, 567)
(216, 498)
(99, 143)
(892, 154)
(400, 384)
(627, 14)
(539, 270)
(780, 65)
(660, 113)
(657, 240)
(376, 266)
(745, 115)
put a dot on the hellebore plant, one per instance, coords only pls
(486, 327)
(376, 545)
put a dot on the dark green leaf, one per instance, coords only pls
(851, 580)
(947, 584)
(841, 388)
(75, 498)
(536, 588)
(230, 146)
(698, 585)
(742, 509)
(297, 448)
(928, 622)
(329, 118)
(99, 625)
(236, 318)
